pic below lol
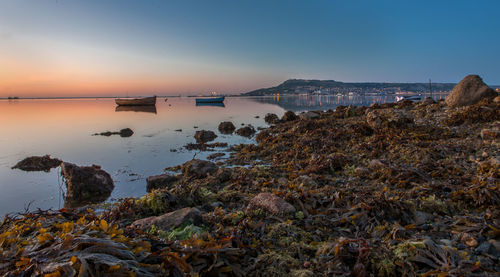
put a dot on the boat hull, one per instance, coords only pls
(210, 100)
(147, 101)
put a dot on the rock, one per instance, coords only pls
(270, 203)
(226, 127)
(215, 156)
(306, 181)
(422, 217)
(469, 91)
(223, 174)
(375, 164)
(246, 131)
(170, 220)
(361, 171)
(386, 118)
(159, 181)
(271, 118)
(198, 168)
(427, 101)
(496, 99)
(489, 134)
(86, 184)
(37, 163)
(289, 116)
(204, 136)
(469, 240)
(309, 115)
(484, 248)
(125, 133)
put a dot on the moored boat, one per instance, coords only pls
(210, 100)
(146, 101)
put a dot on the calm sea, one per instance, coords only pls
(64, 128)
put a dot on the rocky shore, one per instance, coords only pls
(407, 188)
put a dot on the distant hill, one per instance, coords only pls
(300, 86)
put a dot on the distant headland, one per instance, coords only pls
(301, 86)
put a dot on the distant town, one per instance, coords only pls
(299, 86)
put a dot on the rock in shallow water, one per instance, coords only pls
(289, 116)
(37, 163)
(198, 168)
(271, 118)
(86, 184)
(204, 136)
(159, 181)
(226, 127)
(246, 131)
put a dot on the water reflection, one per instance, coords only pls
(211, 104)
(299, 103)
(143, 109)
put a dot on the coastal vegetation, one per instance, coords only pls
(406, 188)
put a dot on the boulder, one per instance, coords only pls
(271, 203)
(271, 118)
(125, 133)
(385, 118)
(226, 127)
(159, 181)
(309, 115)
(246, 131)
(37, 163)
(496, 99)
(204, 136)
(198, 168)
(469, 91)
(86, 184)
(289, 116)
(170, 220)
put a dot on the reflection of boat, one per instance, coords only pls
(146, 101)
(214, 104)
(409, 97)
(144, 109)
(210, 100)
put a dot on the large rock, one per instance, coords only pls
(309, 115)
(469, 91)
(270, 203)
(198, 168)
(271, 118)
(37, 163)
(204, 136)
(170, 220)
(226, 127)
(159, 181)
(289, 116)
(246, 131)
(86, 184)
(385, 118)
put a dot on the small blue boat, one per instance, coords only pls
(210, 100)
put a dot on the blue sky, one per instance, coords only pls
(102, 47)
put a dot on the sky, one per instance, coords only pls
(144, 47)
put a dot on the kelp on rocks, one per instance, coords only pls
(415, 191)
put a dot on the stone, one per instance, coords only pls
(422, 217)
(246, 131)
(484, 248)
(271, 118)
(489, 134)
(170, 220)
(309, 115)
(306, 181)
(375, 164)
(159, 181)
(198, 168)
(226, 127)
(289, 116)
(271, 203)
(469, 91)
(388, 118)
(361, 171)
(37, 163)
(496, 99)
(427, 101)
(86, 184)
(204, 136)
(125, 133)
